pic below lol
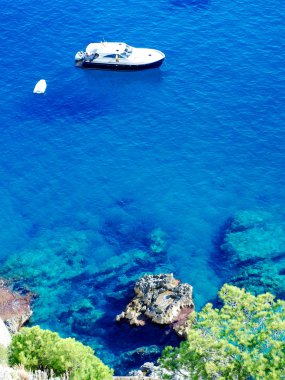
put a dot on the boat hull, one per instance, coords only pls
(119, 66)
(40, 87)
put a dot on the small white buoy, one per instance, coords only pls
(40, 87)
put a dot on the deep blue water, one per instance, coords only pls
(117, 154)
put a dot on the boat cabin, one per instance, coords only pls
(109, 50)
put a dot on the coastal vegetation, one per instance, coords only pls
(244, 339)
(241, 339)
(38, 349)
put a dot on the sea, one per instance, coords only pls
(105, 158)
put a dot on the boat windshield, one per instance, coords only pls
(128, 50)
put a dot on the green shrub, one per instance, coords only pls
(35, 348)
(245, 339)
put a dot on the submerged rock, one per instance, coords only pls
(254, 236)
(161, 299)
(254, 244)
(82, 278)
(47, 268)
(261, 277)
(51, 258)
(158, 240)
(246, 219)
(84, 317)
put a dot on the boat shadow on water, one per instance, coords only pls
(90, 94)
(194, 4)
(122, 78)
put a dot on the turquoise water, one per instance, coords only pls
(103, 158)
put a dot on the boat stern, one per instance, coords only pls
(79, 58)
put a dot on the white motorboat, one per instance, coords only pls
(40, 87)
(118, 56)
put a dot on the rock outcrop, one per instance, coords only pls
(146, 370)
(161, 299)
(15, 309)
(138, 356)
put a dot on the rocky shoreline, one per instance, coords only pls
(160, 299)
(252, 244)
(15, 309)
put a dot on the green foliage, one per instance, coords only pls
(35, 348)
(245, 339)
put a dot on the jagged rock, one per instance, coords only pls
(92, 261)
(140, 355)
(161, 299)
(155, 372)
(15, 309)
(145, 370)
